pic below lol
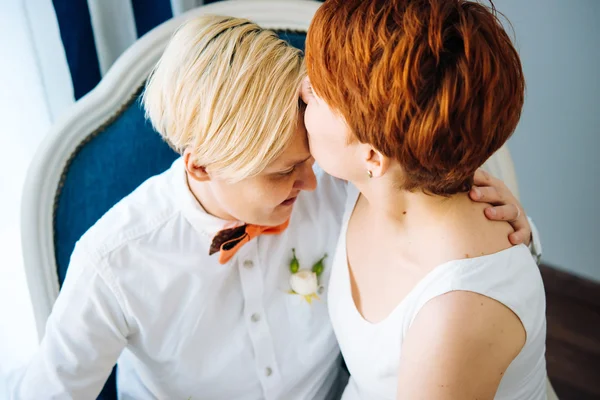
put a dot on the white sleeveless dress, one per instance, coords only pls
(372, 351)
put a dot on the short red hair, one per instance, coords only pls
(434, 84)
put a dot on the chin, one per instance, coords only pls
(278, 217)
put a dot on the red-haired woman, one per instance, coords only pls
(428, 298)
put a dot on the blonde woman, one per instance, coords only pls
(209, 280)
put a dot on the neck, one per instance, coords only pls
(387, 202)
(206, 198)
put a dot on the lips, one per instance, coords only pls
(289, 201)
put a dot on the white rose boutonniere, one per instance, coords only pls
(305, 282)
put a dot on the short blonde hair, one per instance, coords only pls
(227, 89)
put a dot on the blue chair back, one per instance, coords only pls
(106, 167)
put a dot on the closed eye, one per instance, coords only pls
(288, 172)
(291, 170)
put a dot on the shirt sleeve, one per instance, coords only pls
(85, 334)
(535, 246)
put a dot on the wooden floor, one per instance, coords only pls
(573, 341)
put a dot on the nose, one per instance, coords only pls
(306, 179)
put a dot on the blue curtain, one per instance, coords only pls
(150, 13)
(77, 36)
(78, 40)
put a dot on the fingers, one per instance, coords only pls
(487, 194)
(488, 189)
(517, 219)
(518, 237)
(508, 212)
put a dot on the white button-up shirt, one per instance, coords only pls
(141, 288)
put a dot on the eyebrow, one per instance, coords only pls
(297, 162)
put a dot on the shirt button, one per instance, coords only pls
(248, 264)
(255, 317)
(268, 371)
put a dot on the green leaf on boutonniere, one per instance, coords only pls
(319, 267)
(294, 264)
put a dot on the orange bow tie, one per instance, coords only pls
(229, 241)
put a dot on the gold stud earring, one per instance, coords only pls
(370, 173)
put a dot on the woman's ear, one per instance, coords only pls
(195, 172)
(377, 163)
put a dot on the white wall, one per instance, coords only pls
(558, 139)
(25, 115)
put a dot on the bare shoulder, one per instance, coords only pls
(476, 317)
(470, 234)
(459, 346)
